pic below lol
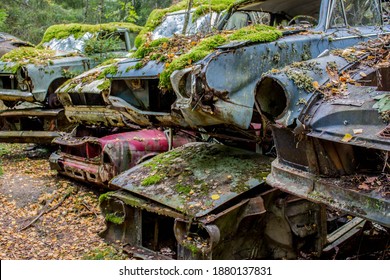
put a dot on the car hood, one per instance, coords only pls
(58, 59)
(190, 180)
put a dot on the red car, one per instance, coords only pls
(98, 160)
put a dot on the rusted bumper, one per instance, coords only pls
(42, 137)
(77, 169)
(94, 115)
(16, 95)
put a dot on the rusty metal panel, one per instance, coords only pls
(197, 178)
(338, 193)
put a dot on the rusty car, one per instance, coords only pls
(9, 42)
(97, 160)
(29, 76)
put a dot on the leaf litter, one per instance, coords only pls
(28, 188)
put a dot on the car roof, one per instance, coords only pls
(6, 37)
(288, 7)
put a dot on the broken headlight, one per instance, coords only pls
(23, 79)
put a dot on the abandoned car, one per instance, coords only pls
(9, 42)
(98, 160)
(213, 83)
(207, 201)
(33, 74)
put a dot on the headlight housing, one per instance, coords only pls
(23, 79)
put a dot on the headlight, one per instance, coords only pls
(23, 86)
(203, 237)
(22, 78)
(182, 81)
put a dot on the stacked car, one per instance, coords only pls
(288, 102)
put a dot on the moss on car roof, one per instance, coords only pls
(29, 55)
(61, 31)
(201, 7)
(179, 52)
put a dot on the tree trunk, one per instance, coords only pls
(86, 7)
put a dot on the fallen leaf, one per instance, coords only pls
(364, 186)
(215, 197)
(358, 131)
(347, 137)
(363, 74)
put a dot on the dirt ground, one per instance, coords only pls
(71, 219)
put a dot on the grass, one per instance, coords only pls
(106, 253)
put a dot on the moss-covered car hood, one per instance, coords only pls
(196, 178)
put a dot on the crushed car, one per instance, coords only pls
(98, 160)
(207, 201)
(9, 42)
(29, 76)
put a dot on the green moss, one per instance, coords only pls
(105, 85)
(383, 106)
(256, 34)
(146, 49)
(138, 65)
(111, 70)
(108, 62)
(113, 218)
(108, 253)
(61, 31)
(199, 52)
(192, 247)
(27, 55)
(104, 197)
(151, 180)
(184, 189)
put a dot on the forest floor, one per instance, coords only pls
(69, 217)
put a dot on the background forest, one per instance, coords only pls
(28, 19)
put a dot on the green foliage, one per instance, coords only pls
(131, 14)
(111, 70)
(3, 17)
(204, 48)
(105, 85)
(29, 19)
(102, 44)
(146, 49)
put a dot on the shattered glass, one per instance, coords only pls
(174, 24)
(69, 43)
